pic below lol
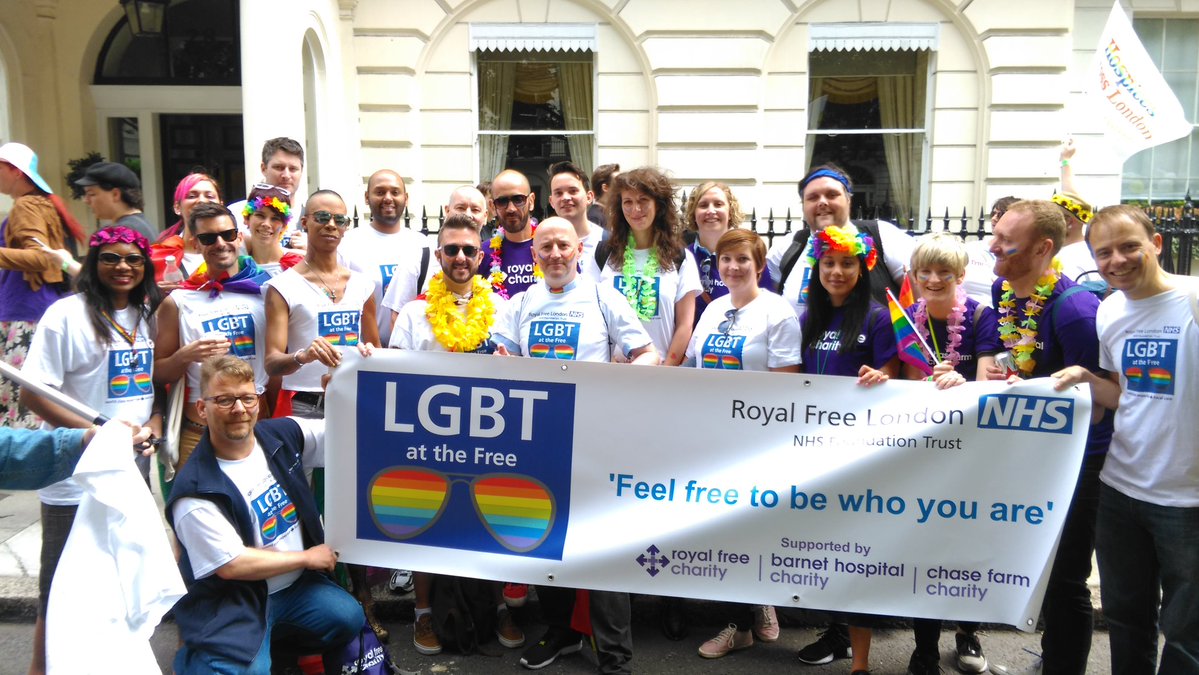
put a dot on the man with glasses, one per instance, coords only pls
(389, 253)
(215, 312)
(252, 547)
(508, 257)
(585, 320)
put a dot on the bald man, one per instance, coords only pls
(389, 253)
(468, 201)
(512, 201)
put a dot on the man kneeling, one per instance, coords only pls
(253, 555)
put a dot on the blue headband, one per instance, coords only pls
(827, 173)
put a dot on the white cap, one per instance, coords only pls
(24, 158)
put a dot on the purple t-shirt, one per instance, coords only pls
(875, 345)
(979, 338)
(517, 263)
(19, 302)
(1066, 336)
(709, 279)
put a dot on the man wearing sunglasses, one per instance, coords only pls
(389, 253)
(512, 200)
(252, 547)
(215, 312)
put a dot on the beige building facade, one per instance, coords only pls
(930, 104)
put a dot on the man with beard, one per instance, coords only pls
(387, 252)
(508, 256)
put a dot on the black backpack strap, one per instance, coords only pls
(791, 255)
(880, 276)
(601, 253)
(424, 270)
(1061, 298)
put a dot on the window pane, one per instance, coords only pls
(1181, 45)
(1150, 32)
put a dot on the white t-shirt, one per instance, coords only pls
(212, 541)
(412, 329)
(240, 316)
(761, 335)
(1154, 345)
(1076, 260)
(672, 286)
(980, 271)
(312, 313)
(113, 378)
(580, 323)
(388, 260)
(897, 247)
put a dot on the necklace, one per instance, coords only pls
(128, 336)
(639, 286)
(329, 292)
(496, 276)
(1022, 341)
(953, 328)
(455, 332)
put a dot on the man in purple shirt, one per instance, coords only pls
(1026, 240)
(510, 268)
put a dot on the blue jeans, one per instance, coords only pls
(313, 615)
(1149, 553)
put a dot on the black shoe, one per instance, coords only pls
(556, 642)
(831, 644)
(674, 622)
(924, 664)
(970, 654)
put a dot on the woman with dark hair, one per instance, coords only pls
(711, 211)
(176, 240)
(646, 260)
(104, 361)
(265, 214)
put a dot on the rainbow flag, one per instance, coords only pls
(912, 348)
(906, 297)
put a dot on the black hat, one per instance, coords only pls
(109, 175)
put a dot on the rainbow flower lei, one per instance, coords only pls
(641, 294)
(496, 276)
(953, 327)
(846, 239)
(257, 203)
(1022, 341)
(455, 332)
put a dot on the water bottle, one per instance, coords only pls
(171, 274)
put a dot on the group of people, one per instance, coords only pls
(253, 328)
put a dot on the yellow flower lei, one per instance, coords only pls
(455, 332)
(1022, 341)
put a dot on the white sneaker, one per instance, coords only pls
(400, 582)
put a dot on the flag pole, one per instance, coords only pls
(52, 394)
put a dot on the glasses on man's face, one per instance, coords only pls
(248, 401)
(452, 250)
(268, 186)
(209, 238)
(518, 511)
(929, 275)
(516, 200)
(730, 318)
(323, 217)
(114, 259)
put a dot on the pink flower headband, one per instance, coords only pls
(119, 235)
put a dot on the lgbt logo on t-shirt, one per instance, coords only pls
(723, 351)
(339, 328)
(1149, 365)
(129, 373)
(275, 513)
(239, 328)
(554, 340)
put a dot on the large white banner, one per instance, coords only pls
(766, 488)
(1129, 93)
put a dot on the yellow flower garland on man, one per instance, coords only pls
(455, 330)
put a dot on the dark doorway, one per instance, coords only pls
(210, 144)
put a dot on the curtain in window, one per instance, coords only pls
(575, 88)
(896, 99)
(497, 85)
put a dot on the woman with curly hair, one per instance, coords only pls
(646, 260)
(711, 211)
(105, 361)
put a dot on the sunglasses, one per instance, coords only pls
(452, 250)
(209, 238)
(517, 511)
(516, 200)
(268, 186)
(114, 259)
(730, 318)
(248, 401)
(323, 218)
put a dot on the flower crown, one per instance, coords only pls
(257, 203)
(845, 239)
(1080, 210)
(118, 234)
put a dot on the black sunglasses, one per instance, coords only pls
(209, 238)
(114, 259)
(516, 200)
(730, 318)
(323, 218)
(452, 250)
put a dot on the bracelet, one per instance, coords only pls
(1065, 162)
(296, 356)
(66, 266)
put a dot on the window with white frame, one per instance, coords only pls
(1170, 171)
(867, 110)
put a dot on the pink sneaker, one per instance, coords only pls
(728, 640)
(515, 594)
(766, 623)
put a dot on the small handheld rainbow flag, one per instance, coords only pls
(906, 297)
(912, 348)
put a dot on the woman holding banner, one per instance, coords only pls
(746, 329)
(845, 333)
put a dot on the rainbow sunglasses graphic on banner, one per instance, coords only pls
(518, 511)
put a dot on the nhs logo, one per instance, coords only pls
(1026, 413)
